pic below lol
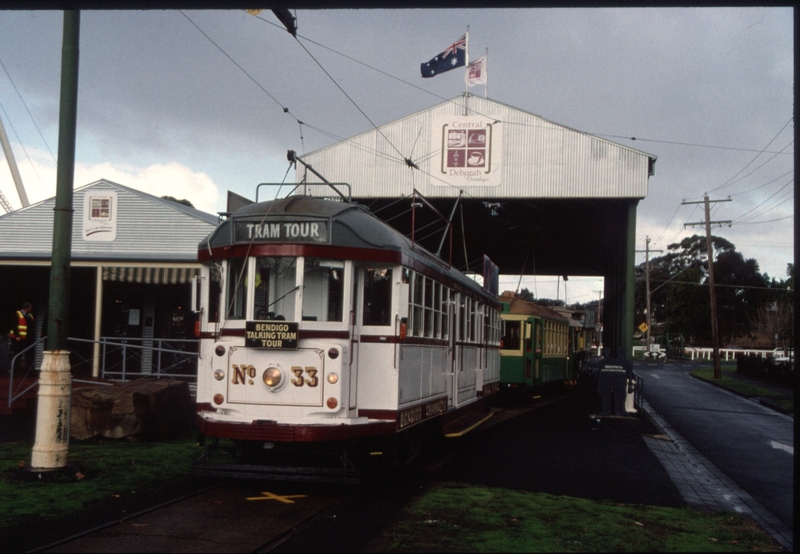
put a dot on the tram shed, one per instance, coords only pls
(480, 177)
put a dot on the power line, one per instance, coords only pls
(776, 289)
(767, 221)
(764, 185)
(731, 180)
(691, 144)
(764, 202)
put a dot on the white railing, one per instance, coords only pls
(116, 354)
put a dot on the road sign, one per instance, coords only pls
(643, 327)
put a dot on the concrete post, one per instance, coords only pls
(53, 412)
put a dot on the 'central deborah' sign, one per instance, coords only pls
(469, 151)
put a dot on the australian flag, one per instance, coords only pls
(455, 56)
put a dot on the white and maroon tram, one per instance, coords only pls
(320, 323)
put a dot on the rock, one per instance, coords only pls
(153, 409)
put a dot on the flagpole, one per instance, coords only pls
(466, 68)
(486, 68)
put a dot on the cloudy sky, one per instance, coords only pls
(196, 103)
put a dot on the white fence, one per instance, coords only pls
(725, 354)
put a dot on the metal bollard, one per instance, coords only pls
(51, 447)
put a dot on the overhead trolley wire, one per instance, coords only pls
(234, 62)
(13, 84)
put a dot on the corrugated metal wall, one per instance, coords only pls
(540, 159)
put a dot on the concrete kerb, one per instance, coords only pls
(703, 486)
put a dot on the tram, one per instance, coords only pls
(322, 326)
(538, 345)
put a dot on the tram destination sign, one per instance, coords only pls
(306, 230)
(276, 335)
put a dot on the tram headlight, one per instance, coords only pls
(272, 377)
(219, 375)
(333, 378)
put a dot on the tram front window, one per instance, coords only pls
(510, 338)
(275, 288)
(237, 289)
(323, 290)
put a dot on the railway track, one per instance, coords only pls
(268, 516)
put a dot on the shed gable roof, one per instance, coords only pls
(148, 229)
(536, 158)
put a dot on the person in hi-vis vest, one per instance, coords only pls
(21, 333)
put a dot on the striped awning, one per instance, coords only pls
(150, 275)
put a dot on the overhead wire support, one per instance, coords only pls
(294, 158)
(712, 291)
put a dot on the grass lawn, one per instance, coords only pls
(453, 517)
(107, 469)
(742, 387)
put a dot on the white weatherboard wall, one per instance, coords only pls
(148, 229)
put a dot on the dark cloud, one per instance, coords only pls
(209, 89)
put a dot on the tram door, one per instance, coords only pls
(372, 323)
(455, 354)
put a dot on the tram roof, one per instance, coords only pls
(521, 306)
(352, 226)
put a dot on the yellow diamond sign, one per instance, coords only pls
(643, 327)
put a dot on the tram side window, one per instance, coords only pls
(428, 307)
(416, 304)
(214, 293)
(462, 317)
(323, 290)
(377, 297)
(449, 298)
(237, 288)
(510, 339)
(275, 288)
(437, 310)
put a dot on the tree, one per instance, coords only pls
(741, 293)
(680, 296)
(173, 199)
(776, 320)
(525, 294)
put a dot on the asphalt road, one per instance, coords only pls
(751, 444)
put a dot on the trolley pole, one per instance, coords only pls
(712, 290)
(55, 383)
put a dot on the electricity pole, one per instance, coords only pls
(51, 448)
(712, 290)
(647, 283)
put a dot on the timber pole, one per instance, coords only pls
(647, 285)
(712, 290)
(713, 293)
(55, 384)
